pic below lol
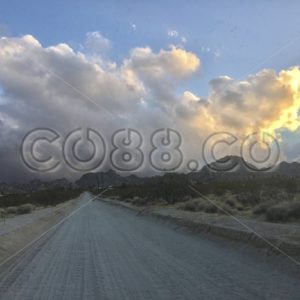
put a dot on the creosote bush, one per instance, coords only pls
(283, 212)
(25, 209)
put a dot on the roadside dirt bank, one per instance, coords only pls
(270, 236)
(18, 231)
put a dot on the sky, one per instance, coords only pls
(231, 37)
(200, 66)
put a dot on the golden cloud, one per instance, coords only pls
(264, 102)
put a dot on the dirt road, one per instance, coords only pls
(108, 252)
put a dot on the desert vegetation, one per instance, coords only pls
(23, 203)
(269, 209)
(271, 199)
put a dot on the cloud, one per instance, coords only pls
(176, 35)
(216, 53)
(63, 89)
(190, 97)
(96, 43)
(173, 33)
(175, 63)
(265, 102)
(161, 72)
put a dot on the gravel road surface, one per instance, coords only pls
(108, 252)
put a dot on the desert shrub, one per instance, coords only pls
(162, 201)
(128, 200)
(12, 210)
(190, 205)
(294, 210)
(284, 211)
(205, 205)
(296, 197)
(230, 202)
(282, 196)
(248, 199)
(25, 209)
(223, 208)
(139, 201)
(261, 208)
(233, 204)
(277, 213)
(229, 198)
(239, 207)
(210, 208)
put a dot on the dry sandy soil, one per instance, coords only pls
(16, 232)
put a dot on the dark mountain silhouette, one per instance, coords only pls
(227, 168)
(235, 168)
(109, 178)
(288, 169)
